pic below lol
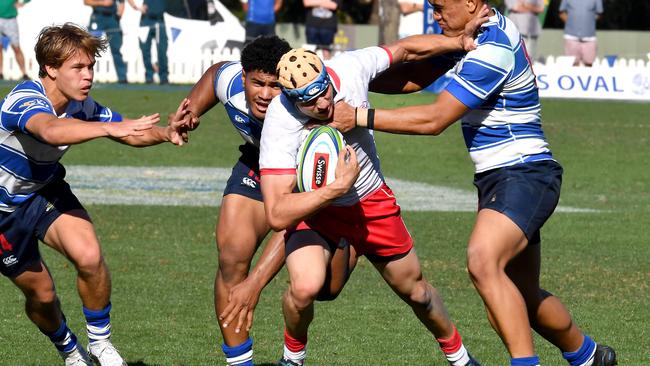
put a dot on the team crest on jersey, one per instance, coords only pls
(239, 119)
(31, 103)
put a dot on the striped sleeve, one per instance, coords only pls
(482, 73)
(17, 111)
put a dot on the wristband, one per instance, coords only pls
(361, 117)
(371, 119)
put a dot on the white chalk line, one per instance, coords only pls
(203, 186)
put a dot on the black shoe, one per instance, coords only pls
(604, 356)
(164, 82)
(25, 77)
(472, 361)
(285, 362)
(122, 82)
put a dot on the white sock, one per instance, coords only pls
(297, 357)
(458, 358)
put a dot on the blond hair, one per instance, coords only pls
(56, 44)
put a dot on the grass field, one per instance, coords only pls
(163, 258)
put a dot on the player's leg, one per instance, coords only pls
(494, 241)
(549, 317)
(404, 275)
(67, 228)
(73, 235)
(240, 229)
(44, 310)
(308, 255)
(344, 260)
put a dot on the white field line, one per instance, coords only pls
(203, 186)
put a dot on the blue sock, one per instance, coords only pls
(583, 355)
(63, 338)
(98, 323)
(525, 361)
(241, 355)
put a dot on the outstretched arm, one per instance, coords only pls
(174, 132)
(202, 95)
(427, 119)
(69, 131)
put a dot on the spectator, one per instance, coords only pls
(106, 18)
(260, 17)
(525, 15)
(9, 29)
(411, 20)
(321, 24)
(152, 17)
(579, 17)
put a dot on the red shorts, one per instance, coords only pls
(374, 226)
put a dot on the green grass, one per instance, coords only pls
(163, 259)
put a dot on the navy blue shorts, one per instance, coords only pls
(20, 230)
(245, 177)
(527, 193)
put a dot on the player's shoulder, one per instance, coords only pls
(498, 32)
(26, 95)
(228, 80)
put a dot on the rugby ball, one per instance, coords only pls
(317, 158)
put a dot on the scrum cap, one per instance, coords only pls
(302, 75)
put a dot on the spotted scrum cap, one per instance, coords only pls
(302, 75)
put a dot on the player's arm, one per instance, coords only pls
(69, 131)
(284, 208)
(423, 46)
(407, 77)
(427, 119)
(243, 297)
(203, 96)
(174, 132)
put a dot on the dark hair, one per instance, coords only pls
(263, 54)
(56, 44)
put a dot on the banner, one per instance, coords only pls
(613, 83)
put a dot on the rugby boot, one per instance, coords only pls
(76, 357)
(472, 361)
(103, 353)
(604, 356)
(287, 362)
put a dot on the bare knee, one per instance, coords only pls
(40, 295)
(304, 293)
(234, 263)
(481, 270)
(90, 261)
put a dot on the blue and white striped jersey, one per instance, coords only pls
(497, 83)
(26, 163)
(229, 89)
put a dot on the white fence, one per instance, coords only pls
(625, 79)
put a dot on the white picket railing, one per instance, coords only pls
(187, 69)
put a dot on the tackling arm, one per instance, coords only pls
(426, 119)
(202, 95)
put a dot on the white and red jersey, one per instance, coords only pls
(284, 125)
